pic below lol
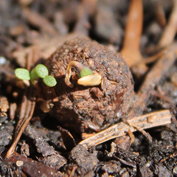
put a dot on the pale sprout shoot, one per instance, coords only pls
(85, 75)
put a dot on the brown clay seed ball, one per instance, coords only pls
(90, 107)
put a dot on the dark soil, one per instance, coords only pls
(55, 33)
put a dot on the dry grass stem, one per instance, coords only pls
(27, 110)
(133, 31)
(170, 30)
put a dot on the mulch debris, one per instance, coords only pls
(120, 120)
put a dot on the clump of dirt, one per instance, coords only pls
(101, 104)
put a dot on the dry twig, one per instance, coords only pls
(170, 30)
(159, 12)
(168, 34)
(143, 122)
(27, 110)
(130, 50)
(152, 79)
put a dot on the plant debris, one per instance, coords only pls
(111, 110)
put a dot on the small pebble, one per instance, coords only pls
(174, 93)
(19, 163)
(2, 60)
(13, 122)
(6, 121)
(2, 128)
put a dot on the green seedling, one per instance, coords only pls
(85, 72)
(40, 71)
(50, 81)
(22, 74)
(85, 75)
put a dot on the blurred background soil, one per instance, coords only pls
(32, 30)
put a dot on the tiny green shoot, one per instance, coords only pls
(50, 81)
(40, 71)
(85, 72)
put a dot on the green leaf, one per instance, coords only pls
(85, 72)
(50, 81)
(22, 73)
(33, 74)
(41, 70)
